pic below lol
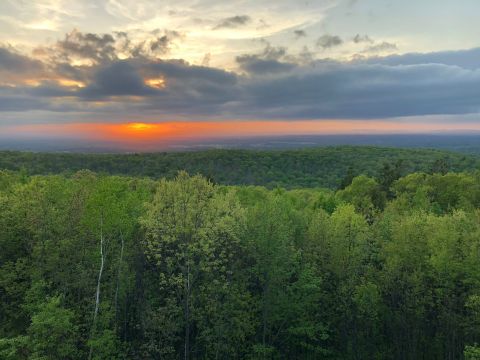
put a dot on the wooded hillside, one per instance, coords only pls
(107, 267)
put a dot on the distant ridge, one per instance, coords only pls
(310, 167)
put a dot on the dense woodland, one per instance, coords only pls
(315, 167)
(96, 266)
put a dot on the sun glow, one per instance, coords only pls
(141, 136)
(72, 83)
(140, 126)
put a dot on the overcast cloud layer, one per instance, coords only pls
(255, 64)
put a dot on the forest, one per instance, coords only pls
(309, 167)
(376, 265)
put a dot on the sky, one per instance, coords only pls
(151, 69)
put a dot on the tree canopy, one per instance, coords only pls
(116, 267)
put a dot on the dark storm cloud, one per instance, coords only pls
(233, 22)
(274, 85)
(328, 41)
(117, 79)
(326, 90)
(367, 91)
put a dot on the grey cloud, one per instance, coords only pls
(329, 90)
(104, 48)
(117, 79)
(51, 89)
(467, 59)
(14, 62)
(304, 57)
(179, 70)
(88, 46)
(300, 33)
(273, 52)
(192, 89)
(266, 62)
(362, 39)
(255, 65)
(233, 22)
(20, 103)
(161, 44)
(274, 88)
(368, 91)
(383, 46)
(78, 73)
(328, 41)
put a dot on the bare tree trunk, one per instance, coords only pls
(264, 315)
(97, 294)
(187, 314)
(118, 277)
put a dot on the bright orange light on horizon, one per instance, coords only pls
(140, 126)
(141, 135)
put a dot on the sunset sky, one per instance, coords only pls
(130, 70)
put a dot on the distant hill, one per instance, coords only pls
(311, 167)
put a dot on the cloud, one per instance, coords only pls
(233, 22)
(273, 84)
(328, 41)
(362, 39)
(12, 61)
(300, 33)
(16, 69)
(254, 65)
(161, 44)
(90, 46)
(266, 62)
(117, 79)
(179, 70)
(101, 48)
(381, 47)
(366, 91)
(467, 59)
(20, 103)
(79, 46)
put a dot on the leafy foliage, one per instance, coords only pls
(108, 267)
(331, 167)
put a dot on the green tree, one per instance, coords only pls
(192, 240)
(52, 333)
(365, 194)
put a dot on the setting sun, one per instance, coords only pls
(140, 126)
